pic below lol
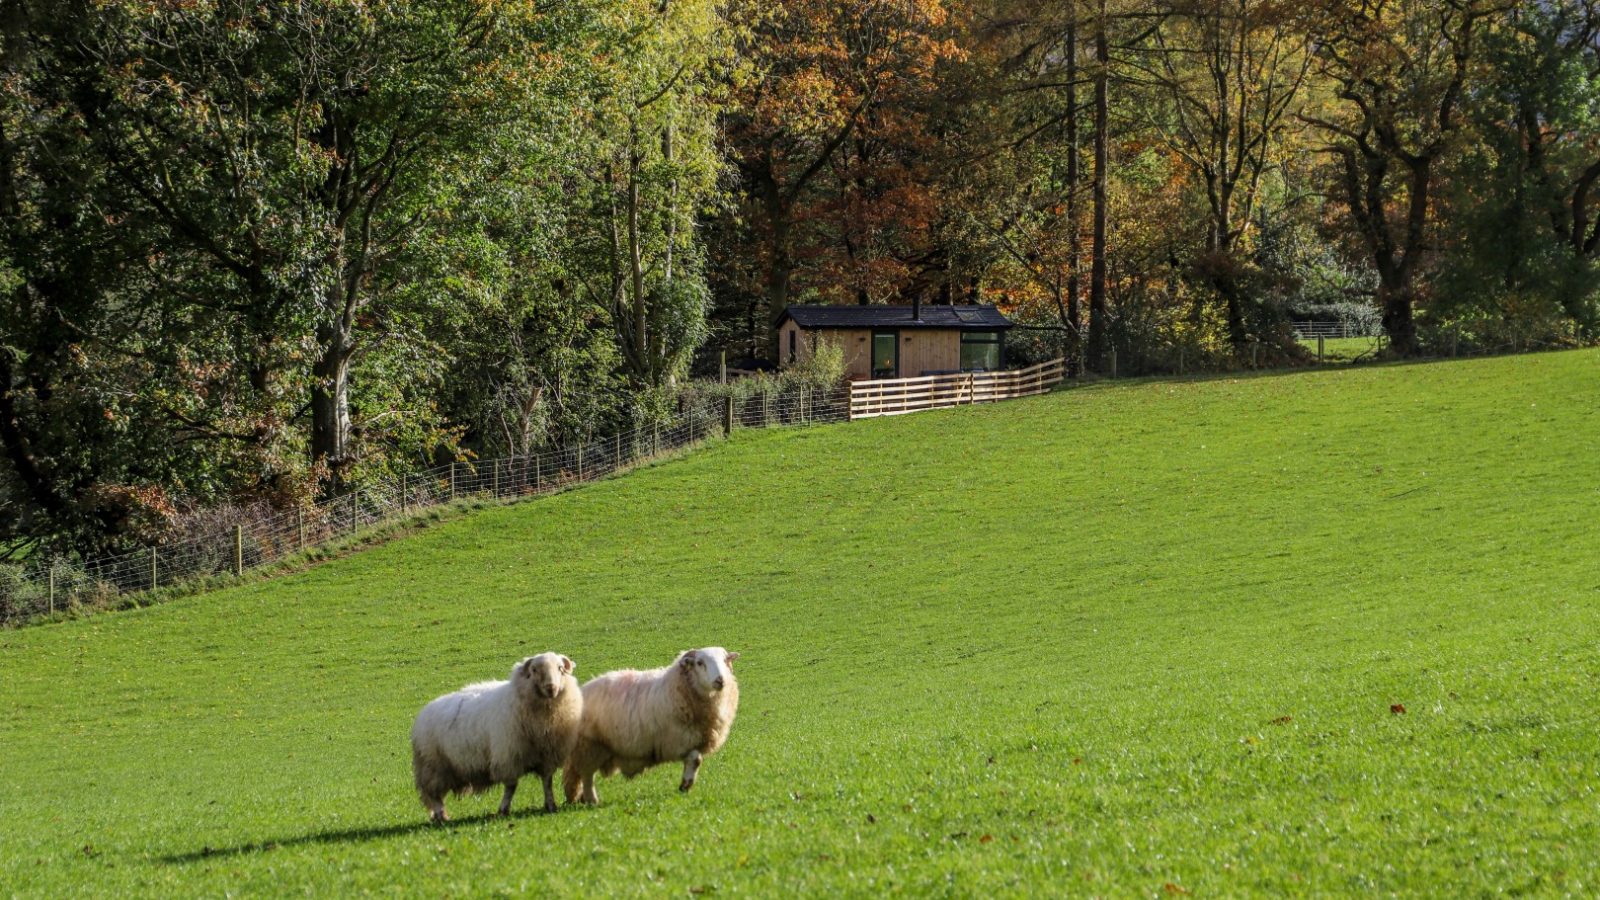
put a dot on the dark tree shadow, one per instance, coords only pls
(355, 835)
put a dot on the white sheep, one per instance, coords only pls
(495, 732)
(633, 720)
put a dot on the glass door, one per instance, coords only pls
(886, 354)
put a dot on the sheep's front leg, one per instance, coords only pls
(691, 766)
(511, 788)
(549, 792)
(589, 795)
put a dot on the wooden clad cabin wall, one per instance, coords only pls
(924, 351)
(802, 345)
(857, 346)
(921, 350)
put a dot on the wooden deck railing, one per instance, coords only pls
(896, 396)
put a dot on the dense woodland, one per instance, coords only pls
(251, 253)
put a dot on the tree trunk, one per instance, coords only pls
(640, 337)
(330, 400)
(780, 267)
(1074, 321)
(1397, 319)
(1098, 339)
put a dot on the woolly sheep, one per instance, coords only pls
(495, 732)
(634, 720)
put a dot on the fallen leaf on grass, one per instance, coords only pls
(986, 839)
(1281, 720)
(1398, 709)
(1171, 888)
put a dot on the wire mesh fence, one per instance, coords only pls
(57, 584)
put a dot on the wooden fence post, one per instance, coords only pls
(494, 478)
(1320, 341)
(300, 524)
(452, 479)
(405, 493)
(1254, 346)
(617, 458)
(538, 475)
(727, 416)
(152, 568)
(1113, 362)
(580, 462)
(238, 550)
(52, 586)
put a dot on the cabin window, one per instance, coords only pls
(980, 351)
(792, 339)
(885, 354)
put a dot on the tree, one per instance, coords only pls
(1522, 236)
(1399, 71)
(311, 154)
(824, 74)
(1230, 73)
(660, 170)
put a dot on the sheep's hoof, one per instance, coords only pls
(439, 818)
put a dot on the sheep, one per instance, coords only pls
(495, 732)
(633, 720)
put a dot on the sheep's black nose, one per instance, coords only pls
(718, 683)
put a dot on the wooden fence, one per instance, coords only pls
(896, 396)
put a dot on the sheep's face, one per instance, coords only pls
(710, 669)
(545, 674)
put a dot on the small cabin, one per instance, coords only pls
(897, 341)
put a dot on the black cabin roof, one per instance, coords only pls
(977, 317)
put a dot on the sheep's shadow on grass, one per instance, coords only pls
(355, 835)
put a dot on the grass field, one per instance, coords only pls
(1138, 638)
(1344, 350)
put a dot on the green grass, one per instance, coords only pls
(1345, 350)
(1102, 642)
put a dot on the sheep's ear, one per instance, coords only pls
(732, 657)
(686, 658)
(525, 668)
(567, 665)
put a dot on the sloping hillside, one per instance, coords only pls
(1106, 641)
